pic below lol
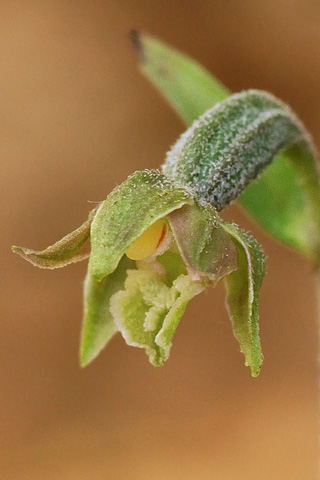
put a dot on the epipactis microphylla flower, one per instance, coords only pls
(157, 240)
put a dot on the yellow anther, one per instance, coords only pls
(148, 242)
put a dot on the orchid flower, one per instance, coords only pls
(158, 239)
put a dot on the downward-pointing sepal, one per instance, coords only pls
(243, 287)
(98, 325)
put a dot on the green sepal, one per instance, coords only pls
(281, 200)
(72, 248)
(147, 311)
(188, 87)
(243, 286)
(98, 325)
(206, 248)
(127, 212)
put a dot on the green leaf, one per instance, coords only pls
(127, 212)
(184, 83)
(98, 325)
(148, 311)
(72, 248)
(285, 199)
(204, 245)
(243, 288)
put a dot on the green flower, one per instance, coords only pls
(153, 248)
(157, 240)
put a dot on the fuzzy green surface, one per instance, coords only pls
(98, 325)
(127, 212)
(243, 287)
(230, 145)
(73, 247)
(206, 248)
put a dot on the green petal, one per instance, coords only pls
(243, 288)
(127, 212)
(285, 199)
(188, 87)
(204, 245)
(148, 311)
(72, 248)
(98, 325)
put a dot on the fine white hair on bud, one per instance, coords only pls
(231, 144)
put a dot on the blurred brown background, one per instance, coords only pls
(76, 118)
